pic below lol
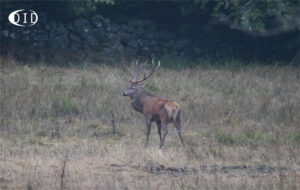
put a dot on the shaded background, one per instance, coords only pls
(248, 31)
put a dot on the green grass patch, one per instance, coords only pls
(252, 137)
(223, 138)
(62, 106)
(225, 89)
(256, 138)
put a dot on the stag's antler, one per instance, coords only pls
(152, 71)
(134, 76)
(139, 68)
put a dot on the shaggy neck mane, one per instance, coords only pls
(139, 98)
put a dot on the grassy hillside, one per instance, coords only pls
(241, 129)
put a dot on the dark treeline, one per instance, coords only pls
(248, 30)
(202, 26)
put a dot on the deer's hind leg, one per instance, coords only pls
(159, 130)
(165, 129)
(177, 124)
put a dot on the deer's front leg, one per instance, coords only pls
(148, 124)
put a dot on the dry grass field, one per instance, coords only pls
(240, 126)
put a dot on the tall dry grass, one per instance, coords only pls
(247, 117)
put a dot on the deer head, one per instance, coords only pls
(135, 84)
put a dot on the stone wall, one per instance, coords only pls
(110, 41)
(137, 37)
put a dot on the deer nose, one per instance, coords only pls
(123, 93)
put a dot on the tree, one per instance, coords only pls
(263, 18)
(255, 17)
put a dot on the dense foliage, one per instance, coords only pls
(259, 17)
(269, 28)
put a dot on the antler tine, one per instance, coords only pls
(136, 69)
(152, 71)
(139, 68)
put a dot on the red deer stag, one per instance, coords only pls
(155, 109)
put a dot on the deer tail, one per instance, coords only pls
(172, 109)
